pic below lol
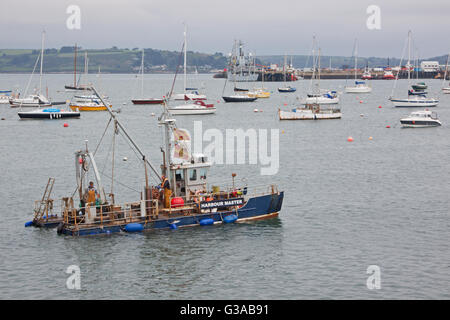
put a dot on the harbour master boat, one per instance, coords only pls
(421, 119)
(185, 200)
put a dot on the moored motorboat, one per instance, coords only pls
(48, 113)
(421, 119)
(388, 75)
(310, 112)
(419, 86)
(287, 89)
(359, 87)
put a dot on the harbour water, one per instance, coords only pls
(348, 205)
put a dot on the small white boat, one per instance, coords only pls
(193, 95)
(48, 113)
(189, 93)
(33, 101)
(415, 99)
(360, 87)
(329, 97)
(5, 96)
(421, 119)
(310, 112)
(446, 90)
(199, 107)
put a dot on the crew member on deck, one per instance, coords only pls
(91, 194)
(165, 186)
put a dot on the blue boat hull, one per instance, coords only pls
(262, 207)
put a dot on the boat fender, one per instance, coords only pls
(230, 218)
(59, 229)
(134, 227)
(206, 221)
(28, 224)
(173, 226)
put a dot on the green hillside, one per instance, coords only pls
(113, 60)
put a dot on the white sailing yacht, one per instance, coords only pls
(416, 98)
(319, 96)
(143, 100)
(286, 88)
(36, 99)
(189, 93)
(360, 86)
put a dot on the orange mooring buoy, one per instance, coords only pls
(66, 125)
(349, 139)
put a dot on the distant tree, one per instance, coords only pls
(67, 49)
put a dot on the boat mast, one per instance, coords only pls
(185, 53)
(356, 56)
(42, 62)
(142, 67)
(75, 67)
(318, 71)
(85, 64)
(446, 69)
(409, 57)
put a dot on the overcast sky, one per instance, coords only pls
(266, 26)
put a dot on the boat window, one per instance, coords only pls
(179, 175)
(202, 173)
(193, 175)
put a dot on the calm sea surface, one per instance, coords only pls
(347, 206)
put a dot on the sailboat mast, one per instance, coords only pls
(409, 56)
(356, 56)
(185, 53)
(318, 72)
(42, 62)
(142, 77)
(75, 67)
